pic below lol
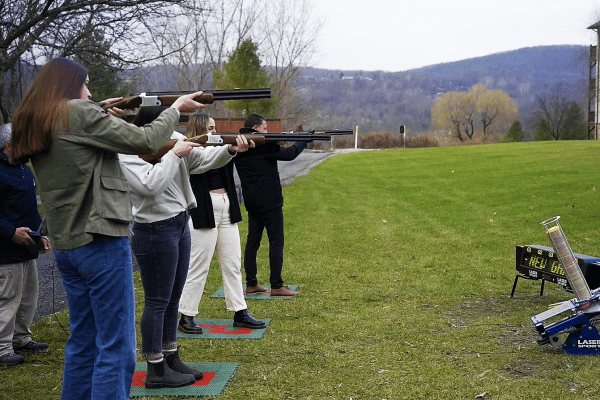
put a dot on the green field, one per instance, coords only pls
(405, 261)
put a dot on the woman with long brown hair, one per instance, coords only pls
(73, 146)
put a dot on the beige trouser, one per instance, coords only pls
(225, 239)
(18, 300)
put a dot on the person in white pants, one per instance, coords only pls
(213, 226)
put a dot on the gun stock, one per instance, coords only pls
(208, 97)
(207, 140)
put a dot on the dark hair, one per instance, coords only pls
(147, 114)
(254, 120)
(43, 111)
(198, 124)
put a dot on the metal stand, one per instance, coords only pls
(512, 294)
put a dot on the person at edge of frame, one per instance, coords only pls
(263, 199)
(161, 196)
(214, 226)
(73, 144)
(19, 287)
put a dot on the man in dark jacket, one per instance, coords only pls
(261, 188)
(19, 288)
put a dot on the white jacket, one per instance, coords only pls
(162, 190)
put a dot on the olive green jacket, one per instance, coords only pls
(80, 181)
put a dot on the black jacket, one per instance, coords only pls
(18, 208)
(257, 168)
(203, 215)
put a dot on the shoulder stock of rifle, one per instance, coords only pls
(164, 100)
(164, 149)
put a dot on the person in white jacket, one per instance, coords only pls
(161, 196)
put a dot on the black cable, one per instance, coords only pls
(53, 301)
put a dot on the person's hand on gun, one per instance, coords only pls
(115, 112)
(187, 104)
(183, 147)
(242, 144)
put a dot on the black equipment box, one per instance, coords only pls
(536, 262)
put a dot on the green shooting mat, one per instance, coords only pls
(220, 294)
(223, 329)
(216, 378)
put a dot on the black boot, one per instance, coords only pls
(244, 319)
(175, 363)
(159, 375)
(188, 325)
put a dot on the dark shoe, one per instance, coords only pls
(283, 291)
(10, 360)
(256, 289)
(159, 375)
(175, 363)
(244, 319)
(32, 347)
(188, 325)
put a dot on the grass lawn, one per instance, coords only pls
(405, 261)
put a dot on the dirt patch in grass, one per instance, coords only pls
(525, 368)
(496, 325)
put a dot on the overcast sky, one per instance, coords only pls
(397, 35)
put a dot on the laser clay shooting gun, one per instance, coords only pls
(575, 317)
(207, 97)
(217, 139)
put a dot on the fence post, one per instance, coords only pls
(356, 137)
(403, 133)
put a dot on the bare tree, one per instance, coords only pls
(287, 36)
(285, 32)
(31, 31)
(552, 110)
(198, 43)
(180, 48)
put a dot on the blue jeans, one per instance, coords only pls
(162, 251)
(257, 221)
(100, 353)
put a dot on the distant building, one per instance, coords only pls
(231, 125)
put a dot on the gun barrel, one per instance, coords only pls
(330, 132)
(292, 137)
(222, 95)
(277, 137)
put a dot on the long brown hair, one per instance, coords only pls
(43, 111)
(198, 124)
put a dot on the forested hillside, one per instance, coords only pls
(382, 101)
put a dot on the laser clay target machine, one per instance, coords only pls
(576, 317)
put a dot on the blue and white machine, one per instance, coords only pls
(576, 317)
